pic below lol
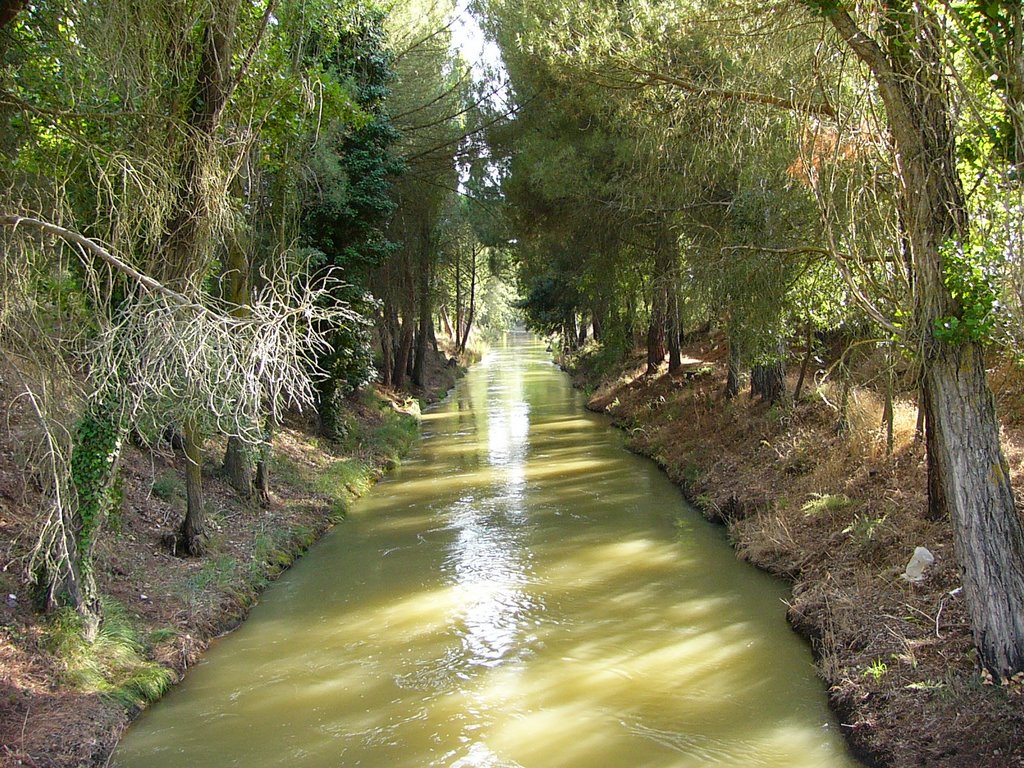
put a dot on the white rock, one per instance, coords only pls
(919, 562)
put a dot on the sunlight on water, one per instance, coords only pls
(521, 593)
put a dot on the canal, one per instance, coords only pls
(521, 592)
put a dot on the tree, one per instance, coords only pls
(923, 251)
(136, 174)
(908, 64)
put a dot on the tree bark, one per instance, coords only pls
(889, 410)
(192, 534)
(963, 442)
(182, 259)
(385, 329)
(419, 371)
(962, 431)
(471, 314)
(402, 353)
(805, 363)
(446, 322)
(262, 480)
(237, 468)
(9, 9)
(675, 352)
(458, 300)
(668, 268)
(768, 381)
(732, 379)
(1014, 76)
(184, 256)
(656, 331)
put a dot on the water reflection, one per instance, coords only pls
(518, 594)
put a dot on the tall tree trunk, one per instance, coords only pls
(668, 259)
(732, 379)
(72, 581)
(385, 329)
(446, 323)
(768, 380)
(185, 254)
(805, 364)
(1015, 83)
(889, 411)
(9, 9)
(471, 315)
(675, 332)
(262, 479)
(237, 467)
(403, 352)
(458, 300)
(842, 426)
(964, 451)
(656, 331)
(192, 534)
(419, 371)
(432, 335)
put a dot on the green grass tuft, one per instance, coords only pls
(114, 664)
(168, 486)
(826, 503)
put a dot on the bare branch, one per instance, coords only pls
(805, 106)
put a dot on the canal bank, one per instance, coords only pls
(65, 705)
(839, 518)
(521, 592)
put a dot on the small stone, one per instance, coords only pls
(919, 562)
(12, 601)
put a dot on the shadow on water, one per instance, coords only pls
(522, 592)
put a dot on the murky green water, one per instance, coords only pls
(522, 592)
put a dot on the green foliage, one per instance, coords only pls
(876, 670)
(864, 528)
(344, 222)
(168, 486)
(207, 586)
(348, 477)
(826, 503)
(114, 664)
(970, 281)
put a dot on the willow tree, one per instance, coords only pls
(117, 120)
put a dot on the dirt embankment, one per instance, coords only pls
(836, 515)
(62, 706)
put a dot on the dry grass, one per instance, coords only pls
(839, 516)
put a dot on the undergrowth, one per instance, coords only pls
(114, 665)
